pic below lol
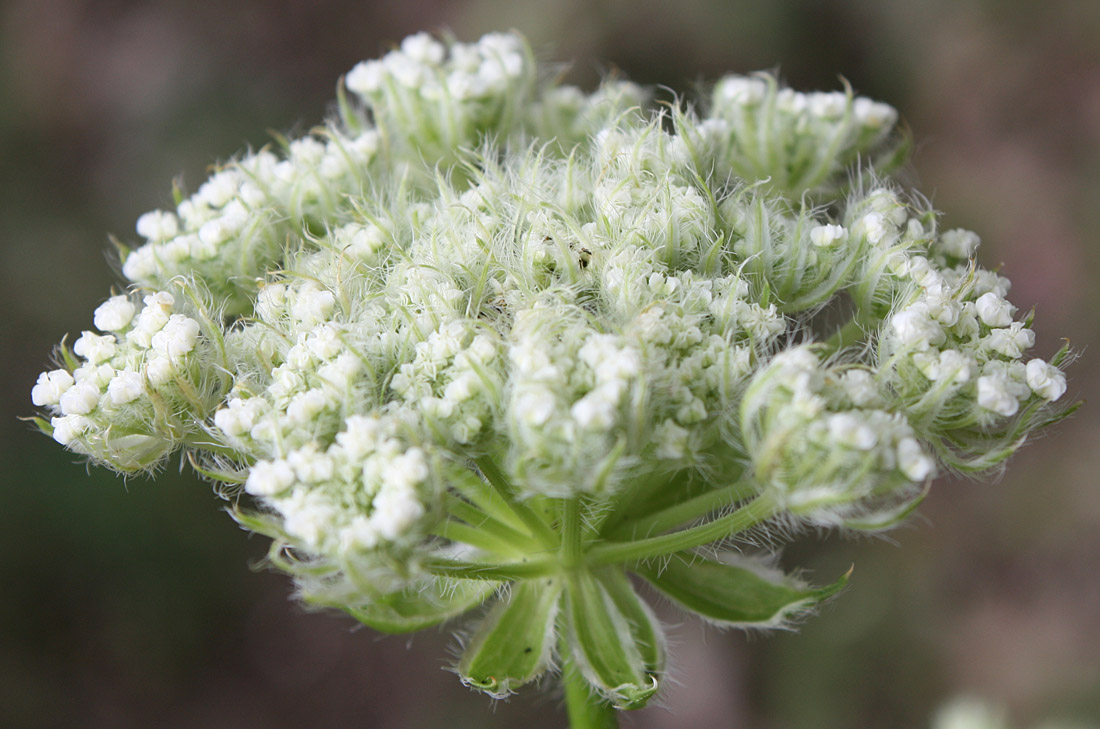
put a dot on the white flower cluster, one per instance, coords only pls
(820, 436)
(796, 141)
(127, 395)
(436, 99)
(479, 281)
(362, 489)
(235, 227)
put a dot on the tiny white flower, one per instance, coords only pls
(873, 226)
(157, 225)
(140, 264)
(269, 478)
(861, 389)
(159, 370)
(423, 48)
(305, 406)
(913, 461)
(959, 243)
(848, 429)
(1011, 341)
(50, 387)
(535, 407)
(126, 387)
(742, 90)
(1046, 380)
(595, 411)
(177, 337)
(95, 348)
(395, 510)
(68, 428)
(80, 399)
(114, 314)
(826, 236)
(311, 465)
(366, 78)
(827, 104)
(993, 310)
(995, 395)
(873, 113)
(406, 470)
(915, 328)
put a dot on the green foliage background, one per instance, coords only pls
(128, 604)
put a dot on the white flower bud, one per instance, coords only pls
(125, 387)
(395, 510)
(50, 387)
(874, 113)
(94, 348)
(915, 328)
(311, 465)
(847, 429)
(913, 461)
(157, 225)
(159, 370)
(873, 226)
(114, 314)
(269, 478)
(1045, 380)
(596, 410)
(309, 516)
(995, 395)
(366, 78)
(177, 338)
(959, 243)
(80, 399)
(994, 310)
(1012, 341)
(827, 104)
(741, 90)
(535, 407)
(861, 389)
(423, 48)
(406, 471)
(826, 236)
(68, 428)
(141, 264)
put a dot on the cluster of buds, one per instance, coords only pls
(486, 340)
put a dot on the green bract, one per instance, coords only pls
(485, 343)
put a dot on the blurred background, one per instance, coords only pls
(131, 604)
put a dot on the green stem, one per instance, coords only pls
(523, 570)
(571, 533)
(685, 511)
(476, 518)
(585, 710)
(759, 509)
(480, 538)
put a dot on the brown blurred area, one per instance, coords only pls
(130, 604)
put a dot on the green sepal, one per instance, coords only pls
(732, 595)
(887, 517)
(44, 426)
(603, 644)
(419, 607)
(513, 645)
(216, 474)
(347, 115)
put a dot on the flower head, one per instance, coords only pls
(484, 335)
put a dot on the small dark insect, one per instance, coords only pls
(584, 257)
(527, 649)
